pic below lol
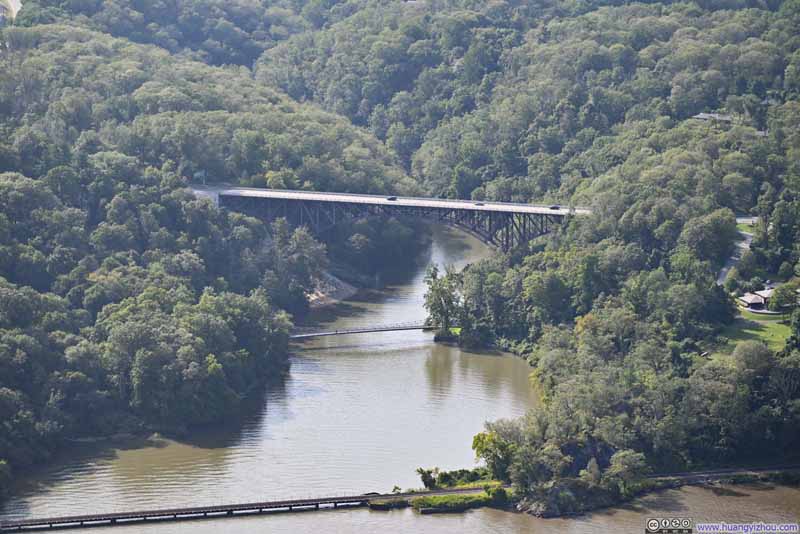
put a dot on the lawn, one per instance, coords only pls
(750, 326)
(745, 227)
(452, 502)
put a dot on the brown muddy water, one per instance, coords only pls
(355, 414)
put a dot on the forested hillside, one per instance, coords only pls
(621, 315)
(128, 303)
(107, 109)
(214, 31)
(503, 99)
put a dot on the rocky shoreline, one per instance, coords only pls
(574, 499)
(328, 290)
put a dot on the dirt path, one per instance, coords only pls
(15, 7)
(741, 247)
(714, 474)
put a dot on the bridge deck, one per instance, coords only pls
(202, 512)
(383, 200)
(365, 330)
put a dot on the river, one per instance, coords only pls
(356, 413)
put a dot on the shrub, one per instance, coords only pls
(452, 503)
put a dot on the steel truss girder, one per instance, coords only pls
(504, 230)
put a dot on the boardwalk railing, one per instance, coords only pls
(312, 333)
(207, 512)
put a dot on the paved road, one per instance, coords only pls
(15, 7)
(741, 247)
(728, 471)
(383, 200)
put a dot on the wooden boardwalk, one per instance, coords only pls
(237, 510)
(209, 512)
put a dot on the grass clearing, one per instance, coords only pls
(745, 227)
(760, 317)
(750, 326)
(452, 503)
(494, 496)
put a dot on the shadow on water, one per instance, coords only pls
(374, 296)
(59, 466)
(658, 502)
(455, 243)
(347, 309)
(366, 342)
(759, 486)
(439, 366)
(132, 462)
(229, 432)
(329, 314)
(89, 456)
(722, 491)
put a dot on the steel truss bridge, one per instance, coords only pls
(504, 225)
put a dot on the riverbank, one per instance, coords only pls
(126, 428)
(382, 389)
(436, 501)
(573, 497)
(330, 289)
(342, 281)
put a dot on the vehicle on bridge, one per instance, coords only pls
(505, 225)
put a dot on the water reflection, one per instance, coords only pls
(356, 413)
(439, 371)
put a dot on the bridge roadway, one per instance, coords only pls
(383, 200)
(505, 225)
(210, 512)
(383, 328)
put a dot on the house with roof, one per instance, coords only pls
(757, 300)
(717, 117)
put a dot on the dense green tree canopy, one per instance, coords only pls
(124, 298)
(127, 302)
